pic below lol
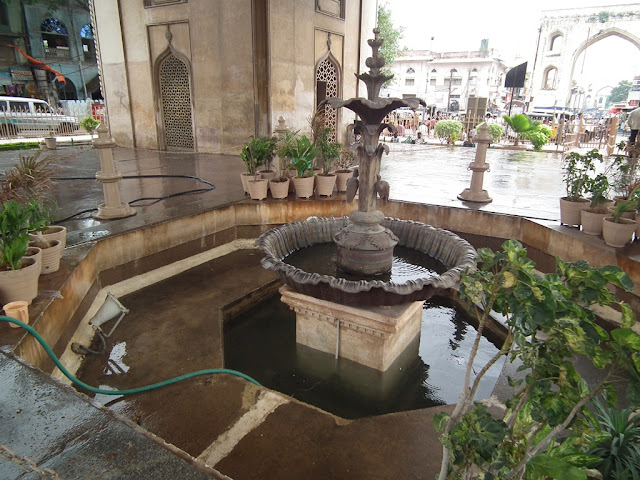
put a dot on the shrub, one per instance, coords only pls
(89, 123)
(496, 131)
(448, 130)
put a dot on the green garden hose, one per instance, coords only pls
(131, 391)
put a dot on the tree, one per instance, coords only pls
(620, 93)
(390, 49)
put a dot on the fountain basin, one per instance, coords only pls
(455, 253)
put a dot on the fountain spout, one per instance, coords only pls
(364, 246)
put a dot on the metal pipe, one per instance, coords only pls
(337, 338)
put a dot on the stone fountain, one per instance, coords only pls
(370, 320)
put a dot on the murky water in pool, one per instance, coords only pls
(408, 264)
(261, 343)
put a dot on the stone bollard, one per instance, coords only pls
(475, 193)
(112, 207)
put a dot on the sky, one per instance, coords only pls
(512, 29)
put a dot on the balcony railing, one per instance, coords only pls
(62, 53)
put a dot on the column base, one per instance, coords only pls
(110, 213)
(371, 336)
(481, 197)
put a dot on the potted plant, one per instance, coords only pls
(89, 124)
(51, 239)
(329, 153)
(591, 217)
(623, 171)
(343, 171)
(302, 154)
(18, 275)
(617, 231)
(279, 186)
(258, 151)
(578, 169)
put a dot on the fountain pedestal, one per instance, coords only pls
(371, 336)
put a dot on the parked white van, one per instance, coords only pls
(20, 115)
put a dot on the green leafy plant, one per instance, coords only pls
(448, 131)
(496, 131)
(521, 125)
(284, 147)
(29, 178)
(345, 160)
(17, 220)
(624, 173)
(89, 124)
(538, 138)
(259, 151)
(329, 151)
(550, 321)
(630, 205)
(578, 169)
(302, 154)
(617, 442)
(598, 188)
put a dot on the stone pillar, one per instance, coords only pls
(612, 135)
(113, 207)
(475, 193)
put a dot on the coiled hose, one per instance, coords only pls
(131, 391)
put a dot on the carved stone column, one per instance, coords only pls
(113, 207)
(475, 193)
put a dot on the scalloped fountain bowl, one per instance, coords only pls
(454, 253)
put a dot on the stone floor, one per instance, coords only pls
(245, 432)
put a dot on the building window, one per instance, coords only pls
(555, 44)
(410, 71)
(333, 8)
(327, 86)
(55, 38)
(409, 82)
(456, 81)
(550, 78)
(161, 3)
(433, 81)
(88, 44)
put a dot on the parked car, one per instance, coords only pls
(30, 115)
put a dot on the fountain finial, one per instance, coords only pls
(374, 79)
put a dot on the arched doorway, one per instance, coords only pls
(176, 115)
(327, 86)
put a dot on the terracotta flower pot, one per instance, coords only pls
(20, 285)
(618, 234)
(341, 181)
(35, 253)
(303, 186)
(570, 211)
(592, 221)
(18, 310)
(325, 184)
(258, 189)
(244, 178)
(51, 257)
(54, 232)
(268, 174)
(279, 188)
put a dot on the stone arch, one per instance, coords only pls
(328, 85)
(601, 35)
(173, 82)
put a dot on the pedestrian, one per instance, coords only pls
(633, 122)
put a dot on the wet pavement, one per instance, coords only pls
(244, 431)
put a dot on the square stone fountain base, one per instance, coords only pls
(371, 336)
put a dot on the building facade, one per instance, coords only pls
(564, 35)
(446, 80)
(206, 75)
(62, 39)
